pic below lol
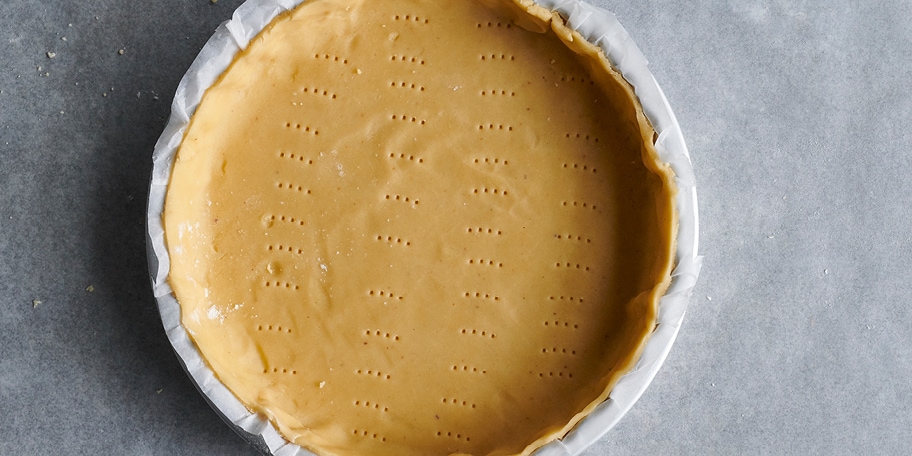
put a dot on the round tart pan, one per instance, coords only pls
(599, 27)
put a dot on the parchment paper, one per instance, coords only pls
(599, 27)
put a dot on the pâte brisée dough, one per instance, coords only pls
(419, 227)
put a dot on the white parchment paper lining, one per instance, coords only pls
(598, 26)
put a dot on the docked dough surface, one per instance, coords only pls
(419, 228)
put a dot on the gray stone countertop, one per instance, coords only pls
(797, 339)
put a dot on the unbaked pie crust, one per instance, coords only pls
(419, 227)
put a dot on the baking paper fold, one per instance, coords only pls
(597, 26)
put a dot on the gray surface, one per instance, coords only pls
(797, 339)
